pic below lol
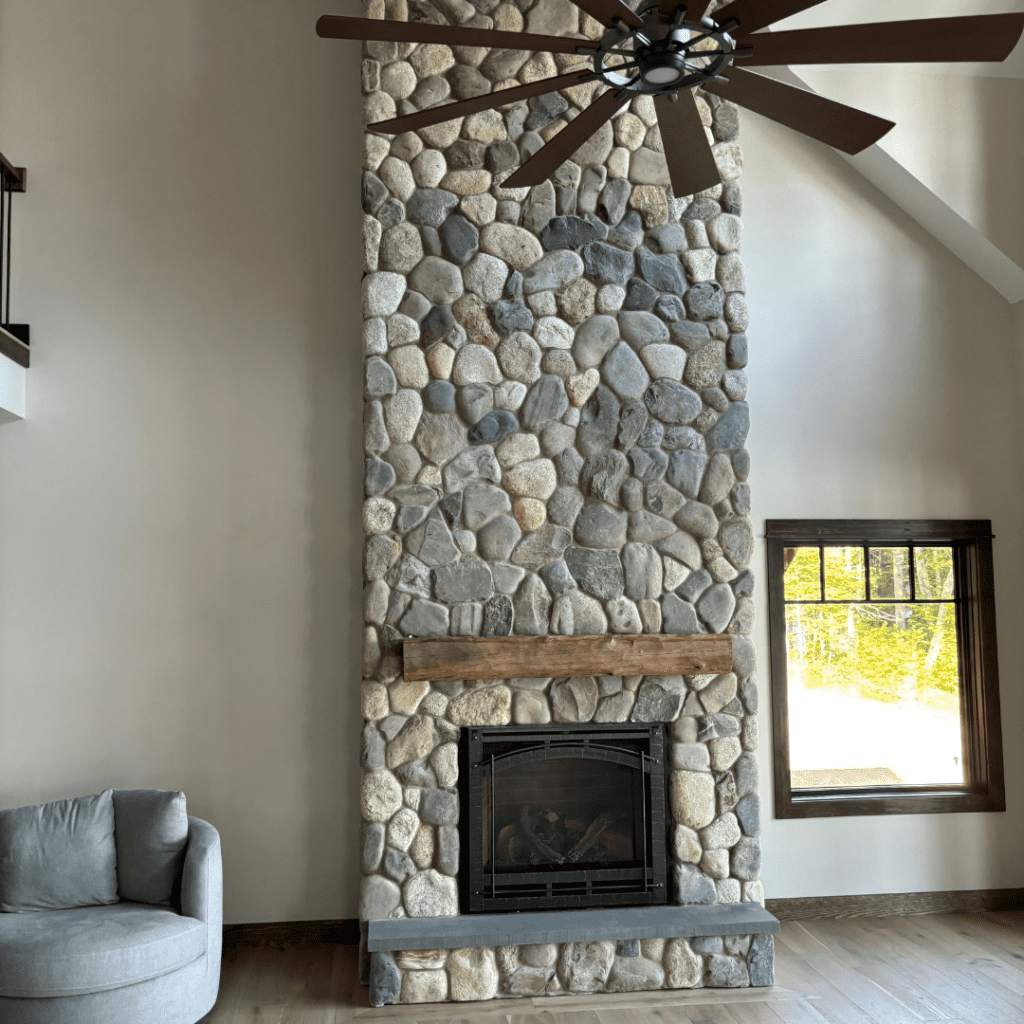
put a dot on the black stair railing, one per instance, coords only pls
(14, 338)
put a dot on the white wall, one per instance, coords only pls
(179, 513)
(884, 383)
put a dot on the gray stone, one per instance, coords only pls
(744, 659)
(684, 437)
(439, 807)
(599, 422)
(501, 156)
(632, 422)
(552, 272)
(731, 430)
(467, 619)
(430, 893)
(475, 401)
(640, 329)
(432, 543)
(482, 503)
(574, 700)
(498, 538)
(697, 519)
(736, 351)
(603, 475)
(597, 572)
(531, 605)
(678, 617)
(629, 232)
(569, 465)
(637, 974)
(691, 757)
(748, 691)
(498, 616)
(416, 773)
(716, 606)
(748, 812)
(475, 364)
(745, 770)
(374, 192)
(541, 546)
(612, 204)
(378, 898)
(436, 325)
(646, 527)
(439, 397)
(380, 378)
(627, 947)
(494, 426)
(705, 301)
(623, 616)
(740, 498)
(379, 556)
(624, 372)
(466, 83)
(385, 978)
(472, 466)
(671, 308)
(412, 577)
(425, 618)
(726, 972)
(447, 854)
(578, 614)
(410, 516)
(584, 966)
(643, 572)
(594, 339)
(761, 961)
(459, 238)
(564, 506)
(656, 704)
(667, 238)
(451, 508)
(714, 727)
(571, 232)
(663, 499)
(737, 540)
(648, 463)
(545, 401)
(557, 577)
(746, 859)
(510, 316)
(639, 295)
(398, 866)
(440, 437)
(373, 846)
(598, 526)
(463, 581)
(672, 402)
(430, 206)
(707, 944)
(693, 886)
(662, 272)
(606, 264)
(379, 476)
(686, 471)
(695, 585)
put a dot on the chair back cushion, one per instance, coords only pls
(151, 833)
(59, 855)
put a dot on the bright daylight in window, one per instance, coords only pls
(872, 666)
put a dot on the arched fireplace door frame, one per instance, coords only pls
(489, 753)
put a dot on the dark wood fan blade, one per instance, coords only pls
(691, 164)
(836, 124)
(435, 115)
(988, 37)
(609, 11)
(694, 10)
(334, 26)
(550, 157)
(755, 14)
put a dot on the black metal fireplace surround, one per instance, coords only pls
(564, 816)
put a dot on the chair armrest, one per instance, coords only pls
(202, 885)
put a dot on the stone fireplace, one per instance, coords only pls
(555, 420)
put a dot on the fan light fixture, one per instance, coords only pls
(667, 47)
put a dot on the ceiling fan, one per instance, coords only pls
(669, 47)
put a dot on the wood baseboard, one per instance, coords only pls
(292, 933)
(346, 931)
(897, 904)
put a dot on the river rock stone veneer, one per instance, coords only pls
(555, 420)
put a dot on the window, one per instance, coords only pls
(885, 691)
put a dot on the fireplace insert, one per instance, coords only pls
(564, 816)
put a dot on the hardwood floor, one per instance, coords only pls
(954, 968)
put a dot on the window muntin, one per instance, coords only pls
(884, 678)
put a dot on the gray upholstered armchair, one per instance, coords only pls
(110, 911)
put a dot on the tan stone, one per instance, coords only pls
(536, 479)
(416, 740)
(422, 849)
(530, 708)
(692, 796)
(576, 303)
(445, 762)
(683, 967)
(479, 209)
(724, 752)
(487, 126)
(686, 845)
(432, 59)
(651, 202)
(653, 949)
(473, 975)
(402, 829)
(540, 65)
(629, 131)
(729, 158)
(507, 18)
(517, 448)
(410, 366)
(375, 148)
(442, 135)
(380, 795)
(424, 987)
(406, 696)
(530, 513)
(421, 959)
(440, 359)
(582, 386)
(516, 246)
(375, 701)
(486, 705)
(378, 106)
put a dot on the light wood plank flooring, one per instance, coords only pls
(954, 968)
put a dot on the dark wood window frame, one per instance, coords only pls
(979, 673)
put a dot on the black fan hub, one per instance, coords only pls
(663, 57)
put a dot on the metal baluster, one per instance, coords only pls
(10, 221)
(3, 229)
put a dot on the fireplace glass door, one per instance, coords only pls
(566, 816)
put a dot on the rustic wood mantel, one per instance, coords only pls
(529, 657)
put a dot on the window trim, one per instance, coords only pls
(979, 671)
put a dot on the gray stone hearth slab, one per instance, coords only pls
(569, 926)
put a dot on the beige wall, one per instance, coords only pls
(179, 532)
(883, 384)
(179, 514)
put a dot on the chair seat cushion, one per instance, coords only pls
(92, 949)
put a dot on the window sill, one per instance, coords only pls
(826, 803)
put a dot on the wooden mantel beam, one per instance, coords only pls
(533, 657)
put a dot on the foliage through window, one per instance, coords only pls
(883, 667)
